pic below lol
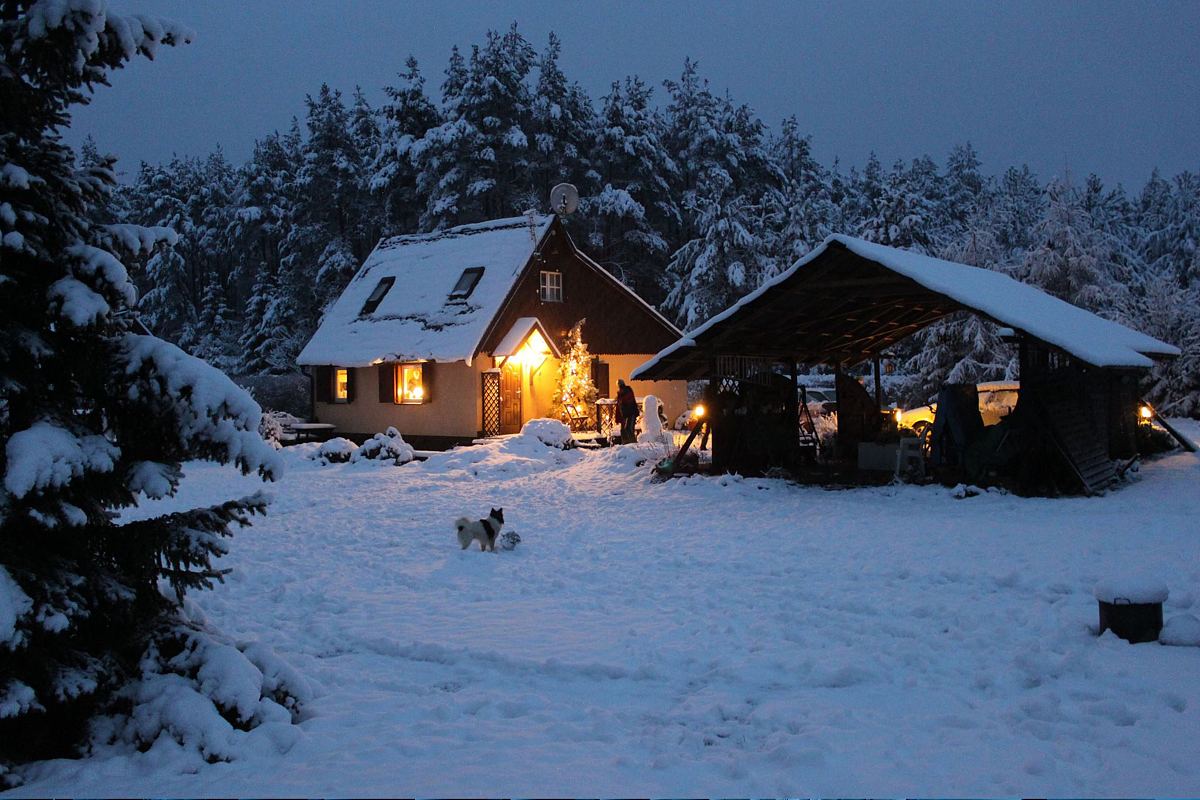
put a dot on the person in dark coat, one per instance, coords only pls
(627, 412)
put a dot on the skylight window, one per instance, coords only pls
(376, 297)
(466, 283)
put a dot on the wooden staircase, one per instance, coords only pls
(1081, 442)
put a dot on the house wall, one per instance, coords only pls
(672, 394)
(454, 409)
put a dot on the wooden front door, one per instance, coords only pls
(510, 397)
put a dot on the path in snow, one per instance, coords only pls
(710, 635)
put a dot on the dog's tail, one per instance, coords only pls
(461, 523)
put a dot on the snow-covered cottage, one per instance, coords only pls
(455, 334)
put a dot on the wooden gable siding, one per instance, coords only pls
(616, 322)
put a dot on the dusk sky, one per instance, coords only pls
(1102, 87)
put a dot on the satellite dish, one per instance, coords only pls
(564, 199)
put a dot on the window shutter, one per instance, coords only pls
(350, 384)
(427, 373)
(387, 383)
(323, 384)
(600, 377)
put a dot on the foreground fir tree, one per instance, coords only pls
(93, 417)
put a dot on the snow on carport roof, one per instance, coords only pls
(417, 319)
(1090, 338)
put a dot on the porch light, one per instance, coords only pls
(899, 415)
(1145, 412)
(698, 411)
(534, 351)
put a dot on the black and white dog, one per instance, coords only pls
(483, 530)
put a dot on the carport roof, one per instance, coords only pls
(849, 299)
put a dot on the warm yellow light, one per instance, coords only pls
(698, 412)
(342, 384)
(899, 416)
(534, 351)
(409, 388)
(1145, 412)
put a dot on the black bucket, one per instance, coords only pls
(1133, 622)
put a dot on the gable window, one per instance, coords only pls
(466, 283)
(550, 287)
(341, 385)
(410, 386)
(377, 294)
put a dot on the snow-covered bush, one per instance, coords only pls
(549, 432)
(270, 430)
(204, 693)
(336, 450)
(386, 446)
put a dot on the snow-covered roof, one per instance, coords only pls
(516, 335)
(1010, 302)
(416, 319)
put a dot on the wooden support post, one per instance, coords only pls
(878, 385)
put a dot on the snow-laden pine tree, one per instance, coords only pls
(93, 417)
(1016, 209)
(811, 213)
(561, 124)
(475, 166)
(403, 120)
(1069, 257)
(730, 207)
(903, 211)
(332, 201)
(627, 214)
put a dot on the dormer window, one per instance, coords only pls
(466, 283)
(550, 287)
(377, 294)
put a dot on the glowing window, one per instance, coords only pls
(409, 386)
(466, 283)
(377, 294)
(341, 385)
(550, 287)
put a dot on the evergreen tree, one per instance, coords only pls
(1071, 259)
(811, 212)
(92, 414)
(404, 120)
(561, 126)
(475, 166)
(627, 215)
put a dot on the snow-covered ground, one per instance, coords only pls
(703, 636)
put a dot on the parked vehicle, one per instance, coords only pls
(997, 399)
(821, 399)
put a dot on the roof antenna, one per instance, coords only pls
(531, 217)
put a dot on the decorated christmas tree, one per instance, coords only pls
(575, 386)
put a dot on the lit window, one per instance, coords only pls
(377, 294)
(341, 385)
(551, 287)
(409, 386)
(466, 283)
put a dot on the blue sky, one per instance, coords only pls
(1112, 88)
